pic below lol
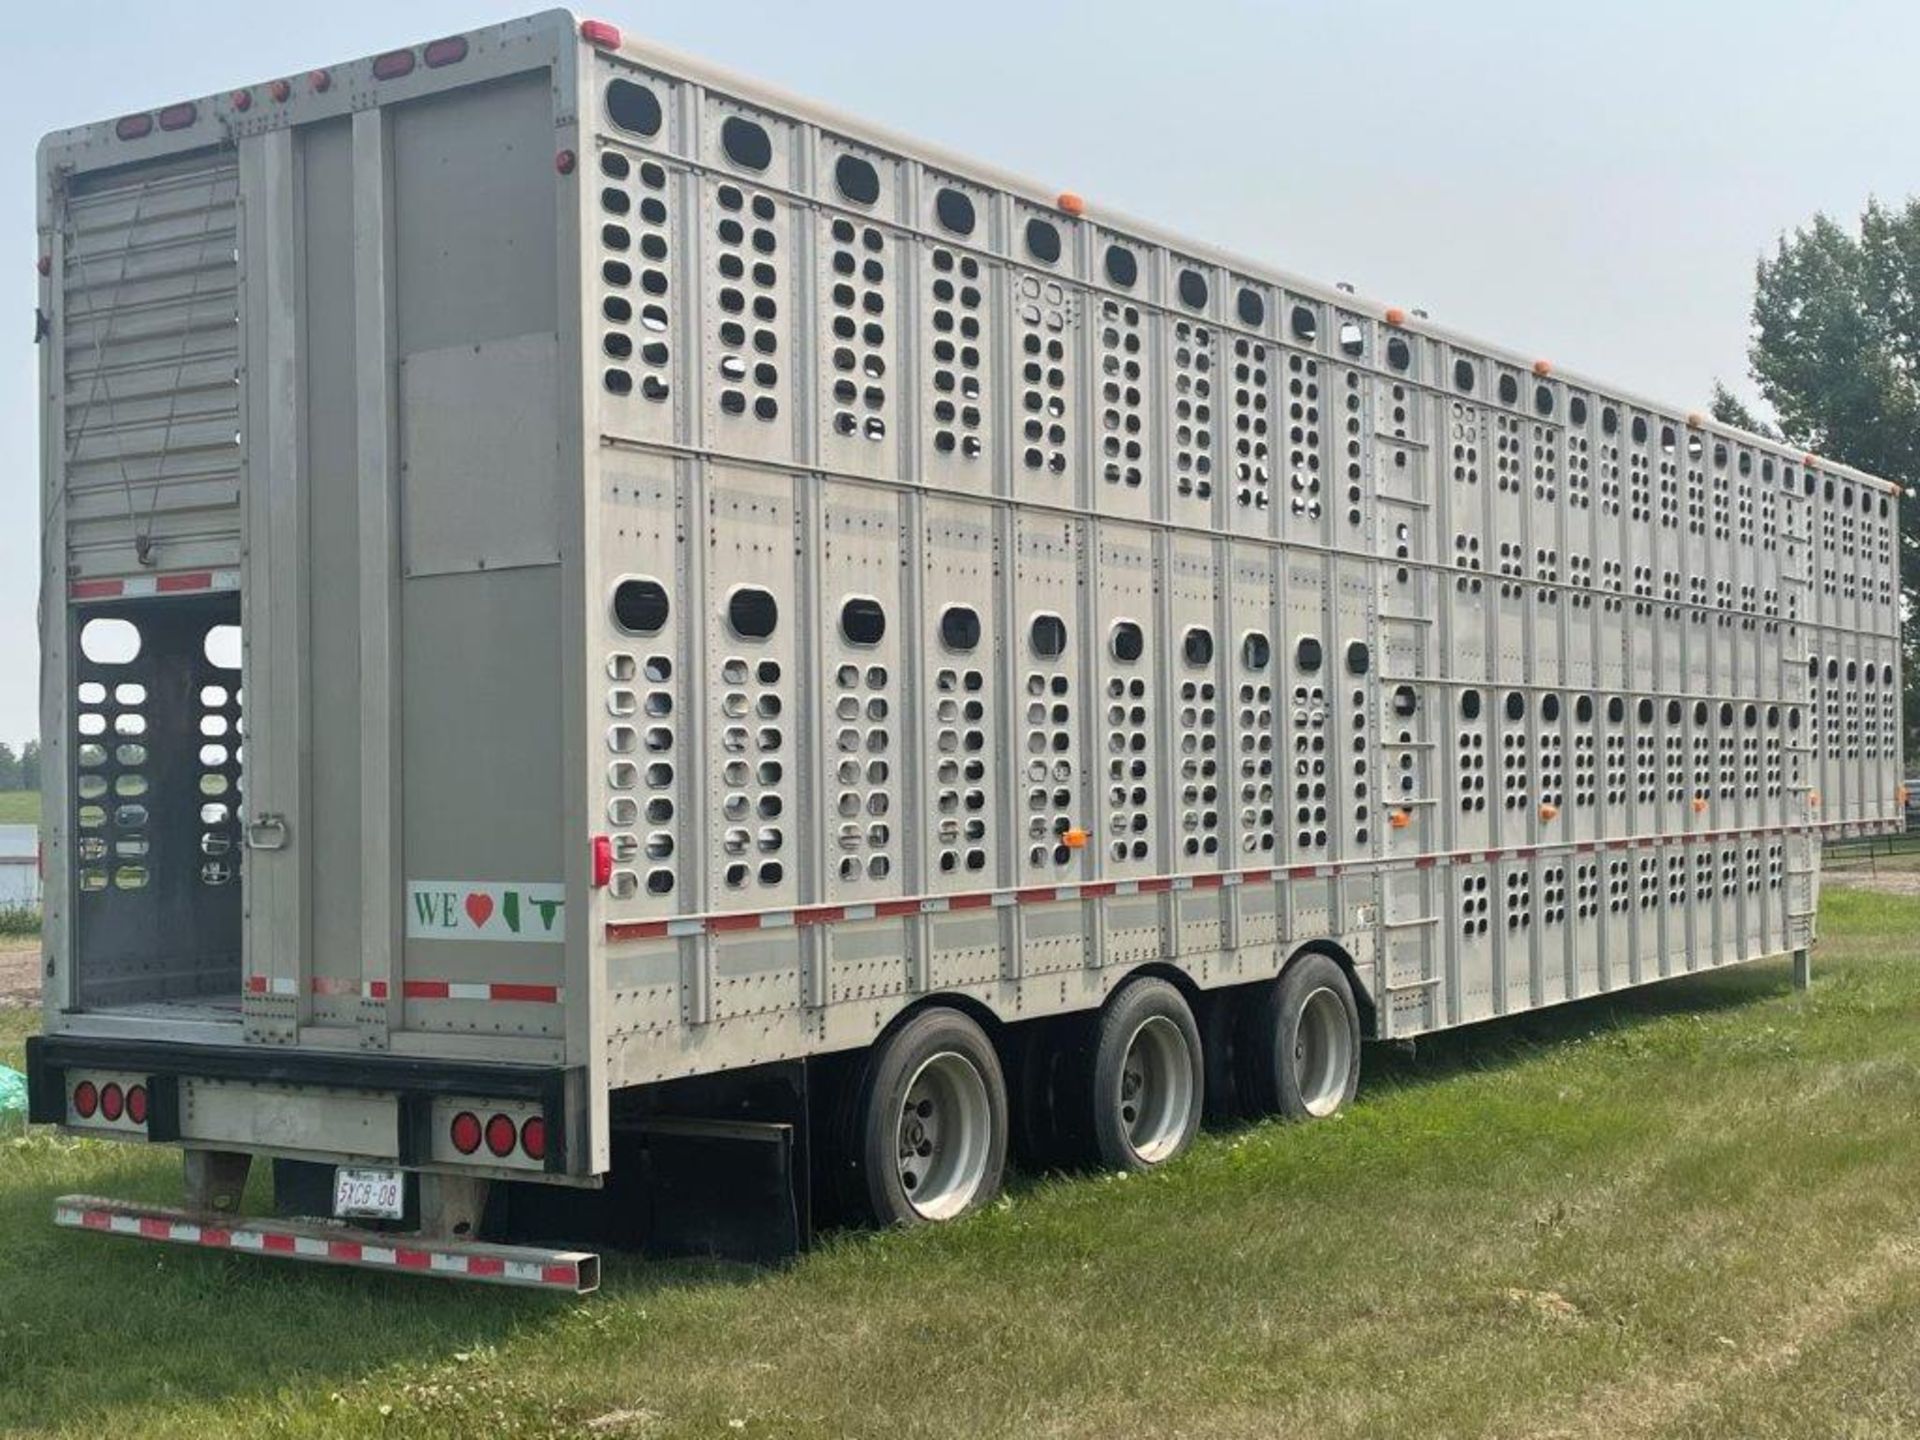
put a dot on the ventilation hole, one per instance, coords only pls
(634, 108)
(1357, 657)
(1251, 308)
(640, 606)
(1255, 650)
(110, 641)
(1043, 240)
(1470, 705)
(954, 209)
(1509, 390)
(1048, 636)
(1193, 289)
(222, 647)
(746, 143)
(1197, 646)
(1305, 323)
(1399, 354)
(752, 613)
(1128, 642)
(1123, 269)
(959, 627)
(857, 179)
(862, 621)
(1463, 375)
(1308, 654)
(1516, 705)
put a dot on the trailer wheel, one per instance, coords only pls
(1302, 1049)
(1148, 1080)
(931, 1141)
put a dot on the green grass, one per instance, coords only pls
(1689, 1211)
(19, 807)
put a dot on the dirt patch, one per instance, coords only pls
(1884, 878)
(19, 974)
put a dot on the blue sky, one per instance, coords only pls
(1591, 184)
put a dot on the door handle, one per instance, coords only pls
(267, 831)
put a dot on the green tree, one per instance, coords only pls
(30, 765)
(9, 767)
(1836, 355)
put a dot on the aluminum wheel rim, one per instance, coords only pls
(944, 1136)
(1155, 1096)
(1322, 1052)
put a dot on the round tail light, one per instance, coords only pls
(533, 1138)
(501, 1135)
(137, 1104)
(112, 1102)
(86, 1099)
(465, 1132)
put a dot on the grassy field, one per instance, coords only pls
(19, 807)
(1688, 1212)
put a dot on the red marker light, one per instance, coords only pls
(320, 81)
(112, 1102)
(602, 861)
(393, 64)
(281, 90)
(86, 1099)
(137, 1104)
(533, 1138)
(134, 127)
(44, 264)
(179, 117)
(465, 1132)
(563, 162)
(501, 1135)
(450, 51)
(600, 35)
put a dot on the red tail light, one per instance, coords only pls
(393, 64)
(137, 1104)
(602, 861)
(600, 35)
(320, 81)
(134, 127)
(86, 1099)
(281, 90)
(450, 51)
(533, 1138)
(501, 1135)
(112, 1102)
(179, 117)
(465, 1132)
(241, 100)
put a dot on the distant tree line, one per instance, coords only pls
(21, 770)
(1835, 353)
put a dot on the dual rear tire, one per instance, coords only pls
(925, 1137)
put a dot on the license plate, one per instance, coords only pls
(381, 1194)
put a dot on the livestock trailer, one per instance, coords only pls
(618, 643)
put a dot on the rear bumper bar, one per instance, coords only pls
(559, 1091)
(567, 1272)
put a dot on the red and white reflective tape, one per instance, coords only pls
(498, 992)
(622, 930)
(133, 587)
(572, 1271)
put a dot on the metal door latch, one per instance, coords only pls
(267, 831)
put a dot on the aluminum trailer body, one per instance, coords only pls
(570, 572)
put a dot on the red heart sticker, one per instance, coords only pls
(479, 907)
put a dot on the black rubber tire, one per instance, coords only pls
(1129, 1008)
(1267, 1080)
(870, 1141)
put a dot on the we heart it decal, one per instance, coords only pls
(528, 912)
